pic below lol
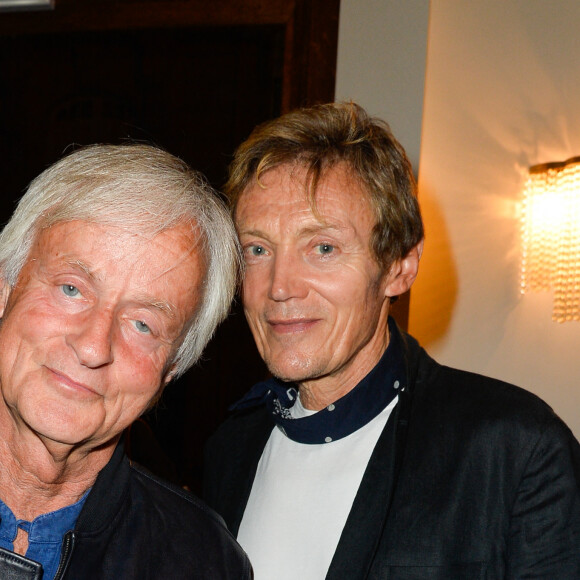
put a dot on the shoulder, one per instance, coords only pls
(174, 501)
(231, 456)
(136, 525)
(455, 403)
(474, 394)
(178, 514)
(468, 394)
(241, 429)
(463, 409)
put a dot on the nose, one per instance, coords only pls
(287, 277)
(92, 338)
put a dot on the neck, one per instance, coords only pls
(318, 393)
(39, 476)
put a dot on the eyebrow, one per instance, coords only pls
(309, 230)
(160, 305)
(82, 266)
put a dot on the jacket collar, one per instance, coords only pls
(106, 497)
(354, 555)
(345, 415)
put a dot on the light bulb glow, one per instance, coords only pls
(550, 226)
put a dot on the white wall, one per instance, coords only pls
(502, 92)
(382, 46)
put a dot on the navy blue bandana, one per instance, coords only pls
(344, 416)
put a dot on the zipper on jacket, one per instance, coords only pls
(68, 545)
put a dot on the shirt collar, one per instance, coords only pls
(346, 415)
(48, 527)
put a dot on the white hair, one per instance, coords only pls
(141, 188)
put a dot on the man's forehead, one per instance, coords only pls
(290, 187)
(82, 244)
(142, 231)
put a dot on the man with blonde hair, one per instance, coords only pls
(363, 458)
(115, 269)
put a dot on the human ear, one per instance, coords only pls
(403, 272)
(169, 375)
(5, 290)
(167, 378)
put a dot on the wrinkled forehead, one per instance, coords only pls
(289, 183)
(145, 221)
(169, 267)
(280, 207)
(87, 242)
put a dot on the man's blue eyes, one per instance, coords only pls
(70, 290)
(73, 291)
(325, 248)
(257, 250)
(321, 248)
(141, 326)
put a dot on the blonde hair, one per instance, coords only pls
(322, 136)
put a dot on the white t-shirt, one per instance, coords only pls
(301, 498)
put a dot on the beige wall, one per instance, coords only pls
(501, 93)
(381, 63)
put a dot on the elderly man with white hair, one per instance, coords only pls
(116, 267)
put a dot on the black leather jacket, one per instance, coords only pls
(134, 525)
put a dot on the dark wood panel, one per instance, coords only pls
(111, 14)
(197, 92)
(310, 39)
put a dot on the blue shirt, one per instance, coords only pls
(45, 534)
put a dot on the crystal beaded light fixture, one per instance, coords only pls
(550, 225)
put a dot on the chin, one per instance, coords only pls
(61, 436)
(60, 427)
(294, 370)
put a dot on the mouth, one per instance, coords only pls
(69, 384)
(292, 325)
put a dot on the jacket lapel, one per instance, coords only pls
(368, 516)
(250, 450)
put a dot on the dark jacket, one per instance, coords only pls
(134, 525)
(471, 479)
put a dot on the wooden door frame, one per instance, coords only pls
(310, 31)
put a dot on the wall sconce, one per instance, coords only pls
(551, 235)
